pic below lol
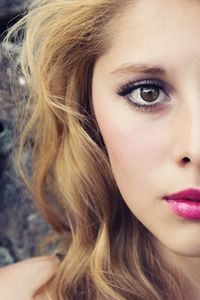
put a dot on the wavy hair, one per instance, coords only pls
(110, 254)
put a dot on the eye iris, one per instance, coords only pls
(149, 93)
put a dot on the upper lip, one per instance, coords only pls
(189, 194)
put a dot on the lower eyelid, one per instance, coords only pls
(148, 108)
(154, 106)
(144, 108)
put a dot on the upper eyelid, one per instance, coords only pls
(135, 83)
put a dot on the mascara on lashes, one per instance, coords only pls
(128, 88)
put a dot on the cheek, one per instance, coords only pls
(137, 144)
(136, 151)
(138, 148)
(136, 158)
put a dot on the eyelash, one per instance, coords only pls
(126, 89)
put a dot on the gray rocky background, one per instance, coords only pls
(21, 225)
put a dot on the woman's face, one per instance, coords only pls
(156, 43)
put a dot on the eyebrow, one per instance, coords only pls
(126, 69)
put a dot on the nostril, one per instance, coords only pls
(186, 159)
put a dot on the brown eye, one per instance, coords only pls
(146, 94)
(149, 94)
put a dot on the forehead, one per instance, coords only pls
(156, 28)
(147, 15)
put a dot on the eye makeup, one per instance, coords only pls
(138, 86)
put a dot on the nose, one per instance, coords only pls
(187, 137)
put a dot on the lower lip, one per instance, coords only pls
(184, 208)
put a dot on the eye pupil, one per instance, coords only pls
(149, 94)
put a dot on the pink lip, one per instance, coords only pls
(189, 194)
(185, 203)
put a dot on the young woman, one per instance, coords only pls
(114, 125)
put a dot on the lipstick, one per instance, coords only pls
(185, 204)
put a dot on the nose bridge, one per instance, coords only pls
(188, 137)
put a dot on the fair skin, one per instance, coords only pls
(147, 148)
(22, 279)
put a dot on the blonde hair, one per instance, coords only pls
(110, 254)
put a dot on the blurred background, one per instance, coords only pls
(21, 225)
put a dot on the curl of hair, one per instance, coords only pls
(110, 254)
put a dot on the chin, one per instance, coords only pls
(177, 247)
(188, 251)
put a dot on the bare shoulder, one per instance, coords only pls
(20, 280)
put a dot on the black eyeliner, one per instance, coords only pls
(133, 84)
(126, 89)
